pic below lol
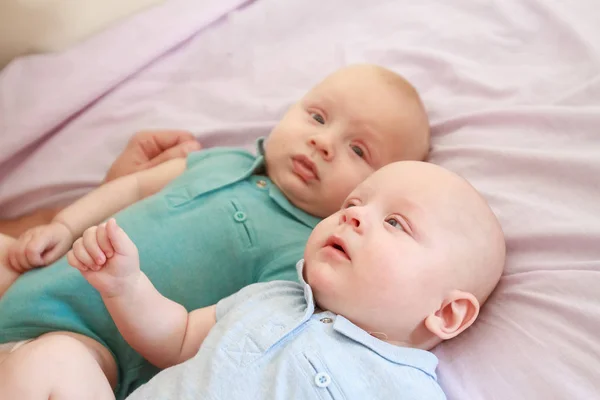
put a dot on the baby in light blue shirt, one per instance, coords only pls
(404, 265)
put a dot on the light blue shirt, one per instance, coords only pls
(269, 343)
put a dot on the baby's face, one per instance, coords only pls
(391, 255)
(348, 126)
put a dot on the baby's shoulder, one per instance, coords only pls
(272, 297)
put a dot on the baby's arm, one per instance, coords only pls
(44, 244)
(161, 330)
(115, 195)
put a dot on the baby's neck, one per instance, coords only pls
(378, 335)
(427, 343)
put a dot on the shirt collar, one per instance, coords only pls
(260, 146)
(258, 166)
(308, 295)
(416, 358)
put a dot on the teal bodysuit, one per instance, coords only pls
(218, 227)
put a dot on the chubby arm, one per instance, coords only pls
(162, 331)
(45, 244)
(146, 149)
(116, 195)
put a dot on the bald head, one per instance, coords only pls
(475, 245)
(392, 93)
(462, 228)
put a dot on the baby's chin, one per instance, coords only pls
(309, 199)
(323, 208)
(305, 202)
(300, 197)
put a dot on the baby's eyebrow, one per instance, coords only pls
(320, 100)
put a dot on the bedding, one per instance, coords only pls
(513, 93)
(49, 25)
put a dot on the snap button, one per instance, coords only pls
(239, 216)
(326, 320)
(322, 380)
(261, 183)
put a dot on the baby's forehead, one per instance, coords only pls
(367, 79)
(418, 182)
(404, 172)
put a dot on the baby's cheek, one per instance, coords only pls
(320, 279)
(385, 269)
(355, 176)
(343, 186)
(324, 287)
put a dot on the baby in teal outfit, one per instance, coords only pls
(205, 227)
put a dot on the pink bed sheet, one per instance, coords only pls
(512, 88)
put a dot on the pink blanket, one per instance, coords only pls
(512, 88)
(58, 129)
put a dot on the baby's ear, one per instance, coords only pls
(458, 311)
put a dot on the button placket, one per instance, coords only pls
(320, 375)
(242, 219)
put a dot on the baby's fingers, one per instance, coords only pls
(54, 253)
(104, 242)
(90, 242)
(119, 239)
(81, 254)
(75, 263)
(12, 257)
(19, 256)
(34, 249)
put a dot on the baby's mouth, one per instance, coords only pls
(337, 245)
(305, 168)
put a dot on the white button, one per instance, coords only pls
(326, 320)
(261, 183)
(322, 380)
(239, 216)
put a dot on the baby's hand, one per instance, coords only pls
(39, 246)
(107, 258)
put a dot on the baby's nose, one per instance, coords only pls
(322, 145)
(352, 220)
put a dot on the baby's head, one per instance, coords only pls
(355, 121)
(411, 256)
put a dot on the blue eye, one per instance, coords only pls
(395, 223)
(318, 117)
(359, 152)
